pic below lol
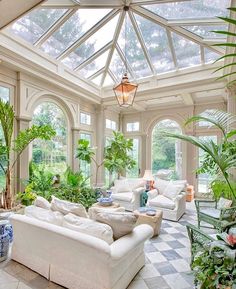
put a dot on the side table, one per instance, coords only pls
(153, 221)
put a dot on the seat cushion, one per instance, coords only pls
(127, 197)
(212, 212)
(224, 203)
(162, 202)
(173, 189)
(89, 227)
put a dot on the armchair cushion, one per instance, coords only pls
(121, 186)
(152, 194)
(224, 203)
(161, 185)
(162, 202)
(172, 190)
(126, 196)
(212, 212)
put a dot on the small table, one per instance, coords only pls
(153, 221)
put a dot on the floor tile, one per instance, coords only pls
(161, 246)
(149, 271)
(180, 265)
(165, 268)
(156, 283)
(156, 257)
(171, 255)
(175, 244)
(11, 285)
(138, 284)
(176, 281)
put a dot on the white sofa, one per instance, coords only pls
(127, 192)
(76, 260)
(169, 197)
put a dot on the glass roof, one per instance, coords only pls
(90, 38)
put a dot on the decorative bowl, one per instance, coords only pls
(105, 201)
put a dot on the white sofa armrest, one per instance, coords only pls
(179, 199)
(138, 191)
(152, 194)
(121, 247)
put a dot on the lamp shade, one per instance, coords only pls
(125, 92)
(148, 175)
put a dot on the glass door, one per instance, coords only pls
(135, 171)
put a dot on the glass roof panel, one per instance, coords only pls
(33, 25)
(94, 66)
(108, 80)
(72, 30)
(210, 56)
(190, 9)
(117, 66)
(187, 52)
(92, 45)
(206, 31)
(97, 80)
(156, 41)
(134, 52)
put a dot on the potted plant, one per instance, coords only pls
(11, 149)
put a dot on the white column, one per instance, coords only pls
(75, 137)
(22, 167)
(231, 102)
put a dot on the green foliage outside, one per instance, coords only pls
(164, 148)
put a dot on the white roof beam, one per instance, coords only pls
(89, 33)
(141, 41)
(121, 54)
(172, 49)
(193, 22)
(202, 55)
(55, 27)
(187, 98)
(179, 30)
(115, 39)
(113, 77)
(155, 2)
(97, 73)
(94, 56)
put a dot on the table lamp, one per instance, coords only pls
(149, 178)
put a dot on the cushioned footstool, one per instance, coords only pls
(153, 221)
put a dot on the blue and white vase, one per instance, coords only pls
(6, 236)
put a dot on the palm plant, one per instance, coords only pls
(230, 56)
(222, 160)
(11, 150)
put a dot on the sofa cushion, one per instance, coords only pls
(42, 203)
(45, 215)
(162, 202)
(212, 212)
(122, 223)
(161, 185)
(173, 189)
(127, 197)
(89, 227)
(121, 186)
(66, 207)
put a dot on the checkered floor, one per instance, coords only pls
(167, 262)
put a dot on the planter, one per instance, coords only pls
(6, 237)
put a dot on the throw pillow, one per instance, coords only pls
(172, 190)
(224, 203)
(44, 215)
(42, 203)
(135, 183)
(89, 227)
(92, 211)
(161, 185)
(66, 207)
(122, 223)
(121, 186)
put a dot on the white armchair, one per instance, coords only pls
(168, 197)
(127, 193)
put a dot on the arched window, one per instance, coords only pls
(52, 154)
(166, 152)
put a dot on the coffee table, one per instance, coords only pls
(153, 221)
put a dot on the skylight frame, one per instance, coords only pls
(170, 25)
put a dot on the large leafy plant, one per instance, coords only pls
(220, 158)
(117, 154)
(229, 56)
(11, 149)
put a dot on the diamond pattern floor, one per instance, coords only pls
(167, 262)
